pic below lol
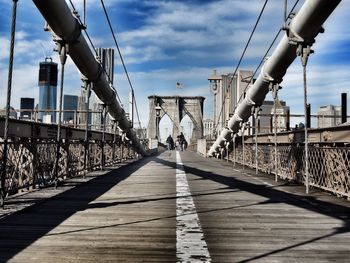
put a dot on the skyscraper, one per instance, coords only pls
(48, 89)
(228, 91)
(27, 107)
(82, 110)
(70, 102)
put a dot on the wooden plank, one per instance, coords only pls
(129, 215)
(266, 223)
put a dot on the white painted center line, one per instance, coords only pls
(190, 242)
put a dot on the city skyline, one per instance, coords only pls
(161, 48)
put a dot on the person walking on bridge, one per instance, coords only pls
(181, 139)
(170, 143)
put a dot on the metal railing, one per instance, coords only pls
(329, 167)
(32, 163)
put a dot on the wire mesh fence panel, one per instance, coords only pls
(329, 167)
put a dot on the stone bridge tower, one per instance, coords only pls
(176, 107)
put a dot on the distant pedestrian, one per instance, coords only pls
(181, 139)
(170, 143)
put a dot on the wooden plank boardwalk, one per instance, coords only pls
(135, 214)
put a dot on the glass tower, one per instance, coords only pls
(70, 102)
(27, 107)
(48, 89)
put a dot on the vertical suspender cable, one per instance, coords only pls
(63, 58)
(243, 160)
(104, 116)
(8, 102)
(84, 13)
(306, 133)
(234, 148)
(285, 15)
(86, 138)
(256, 139)
(304, 52)
(275, 90)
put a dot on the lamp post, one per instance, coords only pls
(158, 109)
(214, 81)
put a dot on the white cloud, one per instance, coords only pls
(23, 85)
(220, 27)
(325, 84)
(181, 33)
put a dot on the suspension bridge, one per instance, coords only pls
(72, 194)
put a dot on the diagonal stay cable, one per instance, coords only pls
(94, 48)
(121, 57)
(264, 56)
(250, 38)
(243, 53)
(268, 50)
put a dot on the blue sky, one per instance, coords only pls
(164, 42)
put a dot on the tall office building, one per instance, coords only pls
(208, 125)
(97, 120)
(70, 106)
(48, 90)
(97, 117)
(228, 90)
(27, 108)
(82, 110)
(106, 57)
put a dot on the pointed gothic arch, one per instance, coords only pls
(176, 107)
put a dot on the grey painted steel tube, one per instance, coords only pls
(303, 28)
(65, 26)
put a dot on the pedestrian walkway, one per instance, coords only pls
(178, 206)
